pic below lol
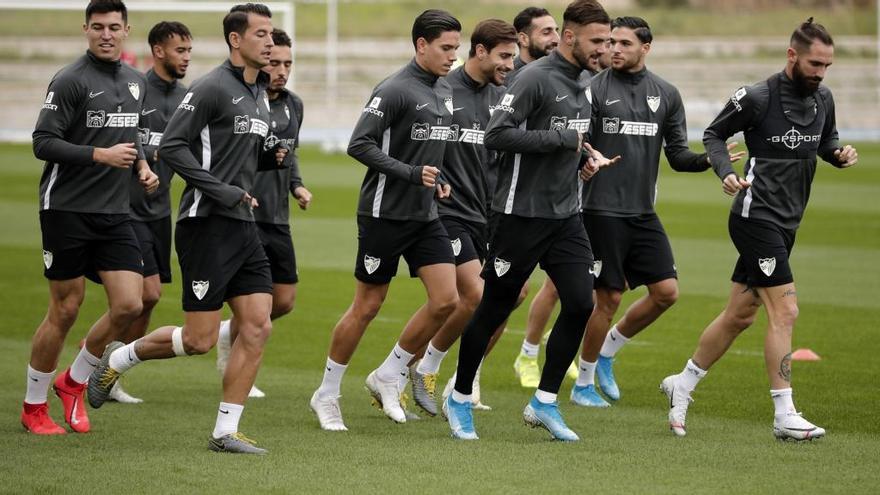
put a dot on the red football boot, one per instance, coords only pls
(35, 419)
(71, 395)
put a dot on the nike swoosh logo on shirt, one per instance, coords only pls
(423, 105)
(611, 102)
(236, 100)
(560, 98)
(147, 112)
(92, 95)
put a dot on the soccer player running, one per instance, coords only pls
(400, 138)
(540, 124)
(87, 134)
(215, 142)
(171, 45)
(476, 88)
(272, 187)
(788, 120)
(635, 113)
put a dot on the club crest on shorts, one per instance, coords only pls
(767, 265)
(47, 259)
(501, 266)
(456, 246)
(653, 103)
(596, 269)
(200, 288)
(135, 90)
(371, 264)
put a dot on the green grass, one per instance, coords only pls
(394, 19)
(160, 446)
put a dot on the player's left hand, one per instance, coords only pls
(303, 197)
(443, 191)
(846, 156)
(598, 158)
(588, 170)
(734, 157)
(148, 179)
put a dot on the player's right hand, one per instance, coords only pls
(121, 155)
(429, 175)
(733, 183)
(249, 201)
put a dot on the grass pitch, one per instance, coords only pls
(160, 445)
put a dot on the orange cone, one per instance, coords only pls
(805, 355)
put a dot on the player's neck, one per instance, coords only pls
(163, 74)
(472, 69)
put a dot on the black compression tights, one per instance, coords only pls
(574, 284)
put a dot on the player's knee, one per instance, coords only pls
(64, 313)
(607, 304)
(523, 293)
(785, 317)
(195, 344)
(150, 299)
(444, 304)
(578, 306)
(127, 310)
(468, 301)
(665, 297)
(281, 308)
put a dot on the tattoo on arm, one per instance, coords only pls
(785, 368)
(789, 292)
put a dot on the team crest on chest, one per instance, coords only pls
(447, 102)
(135, 90)
(371, 264)
(589, 93)
(287, 112)
(456, 246)
(654, 103)
(200, 288)
(501, 266)
(767, 265)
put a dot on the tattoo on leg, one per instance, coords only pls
(789, 292)
(785, 368)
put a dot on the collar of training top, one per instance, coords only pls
(160, 83)
(567, 68)
(630, 77)
(421, 74)
(468, 80)
(238, 72)
(105, 66)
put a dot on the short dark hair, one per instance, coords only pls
(236, 21)
(523, 21)
(165, 30)
(105, 6)
(280, 38)
(807, 33)
(432, 23)
(491, 33)
(638, 25)
(583, 12)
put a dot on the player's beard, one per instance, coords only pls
(582, 58)
(804, 85)
(537, 52)
(172, 71)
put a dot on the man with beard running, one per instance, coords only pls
(788, 120)
(540, 123)
(273, 188)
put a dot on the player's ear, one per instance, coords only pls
(792, 54)
(421, 45)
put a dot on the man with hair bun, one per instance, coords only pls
(788, 121)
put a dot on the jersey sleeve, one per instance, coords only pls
(191, 116)
(830, 140)
(63, 100)
(367, 144)
(295, 175)
(506, 130)
(736, 116)
(681, 158)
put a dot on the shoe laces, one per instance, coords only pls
(240, 436)
(108, 377)
(430, 381)
(404, 400)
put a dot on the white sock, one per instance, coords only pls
(529, 350)
(83, 366)
(402, 380)
(224, 335)
(37, 386)
(124, 358)
(460, 397)
(545, 397)
(690, 376)
(431, 361)
(782, 401)
(394, 364)
(586, 372)
(479, 369)
(613, 342)
(227, 419)
(332, 382)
